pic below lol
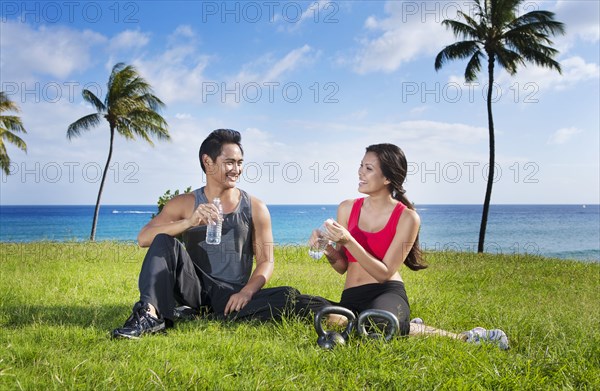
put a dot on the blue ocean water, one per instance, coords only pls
(562, 231)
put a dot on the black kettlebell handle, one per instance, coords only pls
(338, 311)
(381, 314)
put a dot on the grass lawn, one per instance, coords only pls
(59, 302)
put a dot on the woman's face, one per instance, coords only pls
(370, 177)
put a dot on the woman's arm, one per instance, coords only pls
(336, 255)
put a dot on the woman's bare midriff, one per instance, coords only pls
(357, 276)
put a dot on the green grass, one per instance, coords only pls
(58, 303)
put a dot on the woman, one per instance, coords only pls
(374, 236)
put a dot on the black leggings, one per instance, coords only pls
(169, 277)
(389, 296)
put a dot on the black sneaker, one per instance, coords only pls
(139, 323)
(185, 313)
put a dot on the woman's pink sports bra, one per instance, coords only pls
(375, 243)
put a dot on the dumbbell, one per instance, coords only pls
(365, 317)
(329, 339)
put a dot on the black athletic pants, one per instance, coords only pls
(390, 296)
(169, 277)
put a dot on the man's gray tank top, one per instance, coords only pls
(231, 261)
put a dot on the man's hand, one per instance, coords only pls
(237, 301)
(204, 214)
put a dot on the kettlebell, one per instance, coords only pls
(329, 339)
(366, 316)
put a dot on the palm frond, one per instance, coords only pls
(473, 66)
(83, 124)
(6, 104)
(502, 12)
(89, 97)
(4, 159)
(117, 68)
(9, 125)
(508, 59)
(458, 50)
(461, 30)
(541, 59)
(124, 128)
(145, 123)
(152, 102)
(12, 123)
(13, 139)
(539, 21)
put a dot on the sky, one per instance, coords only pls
(309, 85)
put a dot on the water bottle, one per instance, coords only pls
(317, 250)
(213, 230)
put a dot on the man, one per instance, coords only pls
(216, 278)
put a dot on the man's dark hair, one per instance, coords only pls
(213, 144)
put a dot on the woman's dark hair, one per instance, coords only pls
(213, 144)
(394, 168)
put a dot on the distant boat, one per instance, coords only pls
(583, 206)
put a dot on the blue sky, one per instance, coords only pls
(309, 85)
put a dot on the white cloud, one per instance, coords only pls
(183, 30)
(129, 39)
(177, 74)
(563, 135)
(426, 133)
(45, 50)
(266, 72)
(418, 110)
(267, 68)
(574, 70)
(413, 29)
(182, 65)
(528, 84)
(291, 16)
(406, 34)
(581, 19)
(288, 63)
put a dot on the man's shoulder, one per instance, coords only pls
(258, 207)
(256, 202)
(182, 202)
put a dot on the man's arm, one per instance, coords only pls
(177, 215)
(263, 252)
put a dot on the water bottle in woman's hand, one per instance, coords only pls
(317, 248)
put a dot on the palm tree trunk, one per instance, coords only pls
(490, 181)
(110, 150)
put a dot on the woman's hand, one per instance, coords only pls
(336, 232)
(315, 236)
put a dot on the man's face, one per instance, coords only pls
(228, 166)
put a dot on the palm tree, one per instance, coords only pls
(498, 34)
(130, 108)
(9, 125)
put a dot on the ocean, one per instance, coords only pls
(561, 231)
